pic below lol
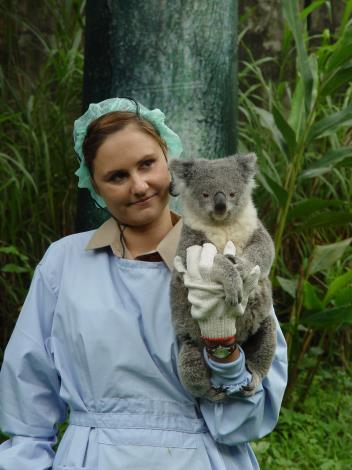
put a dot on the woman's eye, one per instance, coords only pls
(148, 163)
(118, 176)
(205, 194)
(232, 194)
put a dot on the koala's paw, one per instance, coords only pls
(233, 289)
(251, 388)
(234, 293)
(215, 395)
(193, 371)
(226, 273)
(241, 266)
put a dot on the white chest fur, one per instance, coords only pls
(239, 232)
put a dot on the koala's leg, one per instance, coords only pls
(259, 351)
(225, 272)
(194, 373)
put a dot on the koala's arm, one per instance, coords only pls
(259, 250)
(242, 419)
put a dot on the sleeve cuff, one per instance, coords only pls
(229, 376)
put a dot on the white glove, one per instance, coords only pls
(216, 318)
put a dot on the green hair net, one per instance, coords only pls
(95, 110)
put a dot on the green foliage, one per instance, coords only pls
(40, 95)
(318, 435)
(300, 128)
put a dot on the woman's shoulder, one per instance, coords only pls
(78, 240)
(70, 244)
(68, 252)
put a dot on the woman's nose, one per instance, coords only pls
(139, 184)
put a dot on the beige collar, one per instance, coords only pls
(108, 234)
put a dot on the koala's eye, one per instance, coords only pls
(205, 194)
(232, 194)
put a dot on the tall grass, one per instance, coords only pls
(38, 104)
(300, 127)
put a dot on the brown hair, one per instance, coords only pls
(109, 123)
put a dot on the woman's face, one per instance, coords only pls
(131, 174)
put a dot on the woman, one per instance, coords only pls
(94, 339)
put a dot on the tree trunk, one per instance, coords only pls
(178, 56)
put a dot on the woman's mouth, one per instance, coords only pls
(143, 201)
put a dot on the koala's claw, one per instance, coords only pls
(234, 293)
(214, 394)
(251, 388)
(233, 300)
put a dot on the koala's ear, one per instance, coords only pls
(181, 169)
(248, 164)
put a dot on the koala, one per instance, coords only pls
(217, 204)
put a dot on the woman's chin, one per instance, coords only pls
(141, 216)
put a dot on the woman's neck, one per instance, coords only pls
(146, 238)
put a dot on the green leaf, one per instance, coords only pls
(316, 351)
(8, 117)
(297, 117)
(278, 191)
(14, 268)
(9, 250)
(304, 209)
(329, 124)
(312, 7)
(262, 179)
(334, 156)
(288, 285)
(337, 284)
(287, 132)
(17, 162)
(329, 318)
(12, 250)
(342, 52)
(325, 256)
(326, 219)
(328, 161)
(267, 121)
(311, 297)
(343, 296)
(342, 77)
(345, 17)
(290, 9)
(313, 62)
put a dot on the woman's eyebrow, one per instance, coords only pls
(123, 170)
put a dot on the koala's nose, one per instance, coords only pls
(220, 202)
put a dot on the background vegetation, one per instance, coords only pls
(41, 79)
(297, 120)
(300, 127)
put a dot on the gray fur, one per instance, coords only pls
(227, 213)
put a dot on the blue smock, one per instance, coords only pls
(94, 339)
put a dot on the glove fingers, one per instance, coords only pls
(230, 248)
(206, 260)
(179, 266)
(193, 256)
